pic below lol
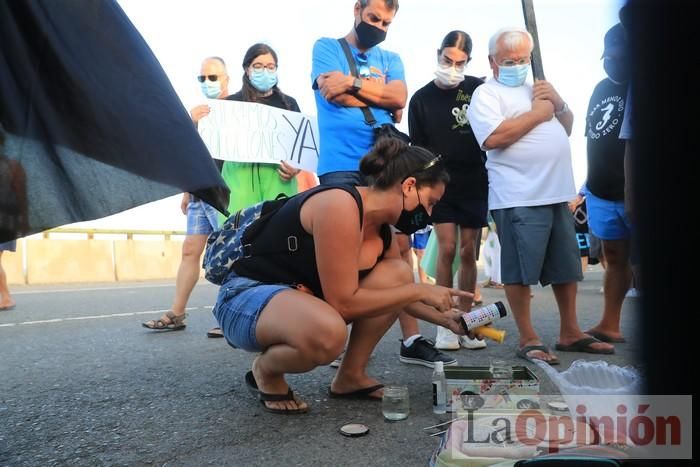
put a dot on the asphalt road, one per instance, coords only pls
(82, 383)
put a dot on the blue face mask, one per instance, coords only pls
(263, 80)
(211, 89)
(512, 76)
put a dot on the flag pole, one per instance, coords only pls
(531, 26)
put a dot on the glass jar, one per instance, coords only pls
(395, 403)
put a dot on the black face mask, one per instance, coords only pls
(616, 69)
(412, 221)
(369, 35)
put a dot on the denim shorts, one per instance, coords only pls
(238, 307)
(607, 219)
(538, 244)
(343, 177)
(201, 218)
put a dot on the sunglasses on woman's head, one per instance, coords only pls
(436, 160)
(431, 163)
(201, 78)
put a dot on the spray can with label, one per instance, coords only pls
(476, 320)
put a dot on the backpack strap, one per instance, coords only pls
(348, 188)
(291, 242)
(366, 112)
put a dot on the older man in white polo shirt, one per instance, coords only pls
(524, 129)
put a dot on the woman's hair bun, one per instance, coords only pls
(383, 151)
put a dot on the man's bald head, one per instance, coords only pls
(216, 59)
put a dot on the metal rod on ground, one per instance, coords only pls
(531, 26)
(446, 423)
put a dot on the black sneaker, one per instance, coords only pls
(423, 352)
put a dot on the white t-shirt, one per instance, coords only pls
(536, 170)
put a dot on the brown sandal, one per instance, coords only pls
(174, 322)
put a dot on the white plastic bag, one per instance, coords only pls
(594, 378)
(596, 391)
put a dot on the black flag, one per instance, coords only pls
(89, 122)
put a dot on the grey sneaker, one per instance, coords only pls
(423, 352)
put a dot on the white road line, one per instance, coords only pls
(112, 315)
(90, 289)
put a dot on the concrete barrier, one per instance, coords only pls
(12, 264)
(47, 260)
(51, 260)
(140, 260)
(59, 261)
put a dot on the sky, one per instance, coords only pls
(183, 32)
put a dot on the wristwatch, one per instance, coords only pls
(564, 109)
(356, 86)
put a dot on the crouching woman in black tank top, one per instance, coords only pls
(343, 266)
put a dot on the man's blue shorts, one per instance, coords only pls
(538, 244)
(9, 246)
(607, 219)
(202, 219)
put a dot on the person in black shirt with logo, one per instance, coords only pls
(606, 182)
(437, 120)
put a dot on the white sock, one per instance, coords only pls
(409, 342)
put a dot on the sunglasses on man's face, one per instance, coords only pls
(201, 78)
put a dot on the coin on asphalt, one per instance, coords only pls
(354, 430)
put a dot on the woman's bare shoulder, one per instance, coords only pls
(336, 207)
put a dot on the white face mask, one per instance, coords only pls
(448, 76)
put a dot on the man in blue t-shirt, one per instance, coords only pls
(344, 135)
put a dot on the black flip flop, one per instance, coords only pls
(584, 345)
(262, 397)
(605, 338)
(360, 394)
